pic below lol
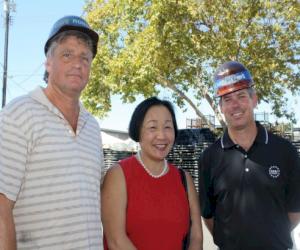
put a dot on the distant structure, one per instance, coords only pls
(263, 118)
(122, 135)
(201, 123)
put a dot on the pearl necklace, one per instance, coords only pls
(139, 158)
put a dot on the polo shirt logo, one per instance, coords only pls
(274, 171)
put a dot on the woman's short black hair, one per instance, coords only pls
(140, 112)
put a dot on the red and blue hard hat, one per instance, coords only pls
(230, 77)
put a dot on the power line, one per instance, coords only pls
(31, 75)
(25, 77)
(19, 85)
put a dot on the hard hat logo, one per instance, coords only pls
(72, 23)
(231, 76)
(80, 22)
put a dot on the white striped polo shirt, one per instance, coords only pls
(52, 174)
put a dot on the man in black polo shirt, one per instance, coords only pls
(249, 178)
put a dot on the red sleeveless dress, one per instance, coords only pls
(157, 215)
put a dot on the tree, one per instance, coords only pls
(177, 44)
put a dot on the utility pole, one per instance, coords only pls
(7, 18)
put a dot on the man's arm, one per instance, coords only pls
(209, 224)
(294, 219)
(7, 226)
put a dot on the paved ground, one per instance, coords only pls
(208, 243)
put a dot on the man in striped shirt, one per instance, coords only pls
(51, 152)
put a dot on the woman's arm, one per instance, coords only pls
(196, 236)
(113, 210)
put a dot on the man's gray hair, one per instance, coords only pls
(60, 38)
(251, 91)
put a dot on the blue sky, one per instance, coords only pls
(28, 32)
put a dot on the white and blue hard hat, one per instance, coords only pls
(72, 23)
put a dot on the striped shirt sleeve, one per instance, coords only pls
(13, 151)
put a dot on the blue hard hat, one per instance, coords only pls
(72, 23)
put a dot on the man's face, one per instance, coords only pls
(237, 108)
(69, 66)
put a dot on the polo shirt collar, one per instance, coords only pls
(38, 95)
(261, 137)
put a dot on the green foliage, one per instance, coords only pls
(177, 44)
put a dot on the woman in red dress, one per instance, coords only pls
(144, 203)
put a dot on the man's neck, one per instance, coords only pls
(244, 137)
(68, 106)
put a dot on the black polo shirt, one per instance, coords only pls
(249, 194)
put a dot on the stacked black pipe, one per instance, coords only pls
(189, 144)
(113, 156)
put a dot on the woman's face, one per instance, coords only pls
(157, 133)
